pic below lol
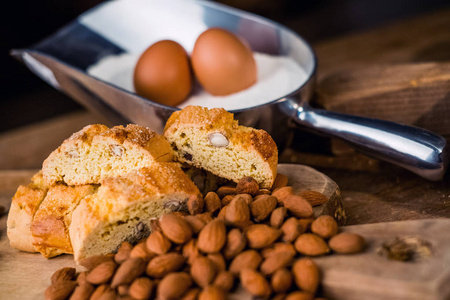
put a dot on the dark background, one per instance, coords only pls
(26, 99)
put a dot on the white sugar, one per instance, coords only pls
(277, 77)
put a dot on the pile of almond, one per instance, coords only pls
(241, 235)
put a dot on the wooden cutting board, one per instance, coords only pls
(362, 276)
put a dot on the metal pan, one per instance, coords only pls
(126, 26)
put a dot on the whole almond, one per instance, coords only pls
(227, 199)
(263, 192)
(141, 251)
(202, 271)
(82, 292)
(298, 206)
(91, 262)
(212, 293)
(130, 269)
(222, 213)
(281, 280)
(195, 204)
(313, 197)
(164, 264)
(103, 292)
(174, 286)
(141, 288)
(102, 273)
(324, 226)
(218, 261)
(249, 259)
(306, 223)
(282, 193)
(261, 235)
(247, 197)
(123, 289)
(81, 279)
(291, 230)
(212, 238)
(175, 228)
(347, 243)
(277, 217)
(288, 248)
(224, 280)
(311, 244)
(158, 243)
(237, 213)
(306, 275)
(63, 274)
(255, 283)
(191, 294)
(280, 181)
(196, 223)
(212, 203)
(299, 295)
(226, 190)
(236, 242)
(123, 252)
(262, 206)
(190, 251)
(60, 290)
(276, 261)
(247, 185)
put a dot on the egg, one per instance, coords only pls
(163, 73)
(222, 63)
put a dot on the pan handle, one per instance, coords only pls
(418, 150)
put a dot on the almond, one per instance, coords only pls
(81, 279)
(227, 199)
(154, 225)
(60, 290)
(218, 261)
(248, 198)
(158, 243)
(123, 252)
(281, 193)
(261, 235)
(212, 293)
(263, 192)
(91, 262)
(195, 204)
(314, 198)
(291, 230)
(299, 295)
(212, 238)
(255, 283)
(324, 226)
(298, 206)
(276, 261)
(123, 289)
(64, 274)
(190, 250)
(212, 203)
(306, 275)
(279, 247)
(130, 269)
(164, 264)
(102, 273)
(82, 292)
(247, 185)
(141, 251)
(175, 228)
(249, 259)
(174, 286)
(236, 242)
(262, 206)
(141, 288)
(277, 217)
(281, 280)
(192, 294)
(306, 223)
(237, 213)
(311, 244)
(202, 271)
(222, 213)
(280, 181)
(347, 243)
(224, 280)
(103, 292)
(205, 217)
(226, 190)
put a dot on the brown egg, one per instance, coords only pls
(222, 63)
(163, 73)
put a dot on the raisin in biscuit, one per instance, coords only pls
(96, 152)
(122, 208)
(214, 141)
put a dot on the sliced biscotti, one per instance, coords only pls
(97, 152)
(123, 207)
(214, 141)
(50, 226)
(24, 206)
